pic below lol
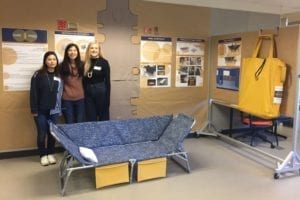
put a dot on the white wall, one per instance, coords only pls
(231, 21)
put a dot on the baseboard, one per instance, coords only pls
(24, 153)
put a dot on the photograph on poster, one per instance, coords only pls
(151, 82)
(161, 73)
(148, 70)
(155, 75)
(229, 62)
(190, 66)
(183, 78)
(192, 81)
(162, 81)
(189, 62)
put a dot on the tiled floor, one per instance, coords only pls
(219, 171)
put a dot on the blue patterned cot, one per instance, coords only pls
(93, 144)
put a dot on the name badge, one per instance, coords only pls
(97, 68)
(56, 78)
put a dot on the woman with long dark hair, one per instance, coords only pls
(45, 103)
(71, 70)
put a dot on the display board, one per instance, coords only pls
(287, 49)
(117, 35)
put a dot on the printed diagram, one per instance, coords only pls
(156, 52)
(229, 53)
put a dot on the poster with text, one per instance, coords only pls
(22, 55)
(189, 62)
(155, 62)
(229, 63)
(63, 38)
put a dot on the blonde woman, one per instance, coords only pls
(97, 84)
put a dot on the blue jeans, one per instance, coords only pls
(43, 133)
(73, 111)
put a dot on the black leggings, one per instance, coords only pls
(97, 107)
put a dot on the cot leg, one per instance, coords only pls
(63, 164)
(64, 182)
(132, 163)
(184, 157)
(65, 171)
(187, 162)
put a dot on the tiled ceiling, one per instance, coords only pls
(280, 7)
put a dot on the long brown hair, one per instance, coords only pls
(64, 66)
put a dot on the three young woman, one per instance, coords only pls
(80, 91)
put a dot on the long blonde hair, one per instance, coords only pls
(87, 64)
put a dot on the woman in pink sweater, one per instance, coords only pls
(71, 70)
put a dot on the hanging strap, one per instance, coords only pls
(259, 70)
(257, 49)
(258, 46)
(272, 47)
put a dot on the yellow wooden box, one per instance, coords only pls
(111, 175)
(150, 169)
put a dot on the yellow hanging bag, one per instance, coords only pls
(261, 82)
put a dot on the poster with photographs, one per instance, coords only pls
(63, 38)
(155, 62)
(229, 63)
(189, 62)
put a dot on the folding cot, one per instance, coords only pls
(94, 144)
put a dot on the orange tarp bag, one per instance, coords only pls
(261, 82)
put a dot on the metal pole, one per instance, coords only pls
(292, 161)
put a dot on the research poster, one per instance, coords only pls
(229, 63)
(155, 62)
(189, 62)
(22, 55)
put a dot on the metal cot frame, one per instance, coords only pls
(69, 164)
